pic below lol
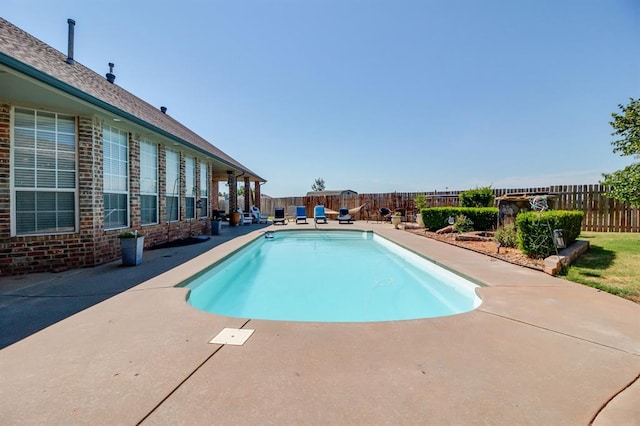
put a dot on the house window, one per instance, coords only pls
(204, 190)
(116, 178)
(190, 187)
(44, 173)
(173, 185)
(148, 183)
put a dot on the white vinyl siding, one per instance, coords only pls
(204, 190)
(172, 185)
(190, 187)
(116, 177)
(44, 173)
(148, 183)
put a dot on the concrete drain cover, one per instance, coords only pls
(232, 336)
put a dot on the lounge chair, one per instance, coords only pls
(344, 216)
(279, 216)
(291, 213)
(247, 218)
(257, 216)
(318, 214)
(301, 214)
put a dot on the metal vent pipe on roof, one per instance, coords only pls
(163, 109)
(72, 25)
(110, 76)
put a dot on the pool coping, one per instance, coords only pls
(143, 356)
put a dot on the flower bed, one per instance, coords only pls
(490, 248)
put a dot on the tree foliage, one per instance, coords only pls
(420, 201)
(627, 126)
(625, 183)
(318, 185)
(479, 197)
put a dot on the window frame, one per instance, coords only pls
(190, 188)
(107, 192)
(204, 189)
(174, 185)
(143, 192)
(57, 157)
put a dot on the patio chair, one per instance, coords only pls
(279, 216)
(290, 213)
(257, 216)
(301, 214)
(319, 215)
(384, 214)
(247, 218)
(344, 216)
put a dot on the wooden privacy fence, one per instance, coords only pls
(601, 213)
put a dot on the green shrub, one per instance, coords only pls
(483, 219)
(463, 224)
(507, 236)
(420, 201)
(479, 197)
(535, 230)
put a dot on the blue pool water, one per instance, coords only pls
(329, 276)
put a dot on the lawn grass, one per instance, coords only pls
(611, 264)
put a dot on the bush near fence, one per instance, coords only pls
(479, 197)
(483, 218)
(535, 230)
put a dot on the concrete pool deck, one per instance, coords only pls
(539, 350)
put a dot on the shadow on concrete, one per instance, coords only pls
(32, 302)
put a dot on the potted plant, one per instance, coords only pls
(216, 222)
(131, 247)
(396, 219)
(235, 218)
(421, 202)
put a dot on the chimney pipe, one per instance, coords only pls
(163, 109)
(110, 76)
(72, 25)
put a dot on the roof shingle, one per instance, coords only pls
(25, 48)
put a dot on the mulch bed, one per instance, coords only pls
(489, 248)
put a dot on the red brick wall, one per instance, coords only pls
(92, 245)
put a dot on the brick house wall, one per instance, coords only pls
(92, 244)
(71, 89)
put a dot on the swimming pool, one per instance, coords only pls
(329, 276)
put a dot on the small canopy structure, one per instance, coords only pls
(510, 205)
(354, 211)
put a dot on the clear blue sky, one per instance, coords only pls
(371, 95)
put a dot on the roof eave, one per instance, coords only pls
(73, 91)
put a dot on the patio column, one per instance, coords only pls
(247, 194)
(233, 191)
(215, 203)
(257, 195)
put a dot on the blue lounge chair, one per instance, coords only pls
(344, 216)
(301, 214)
(319, 215)
(279, 216)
